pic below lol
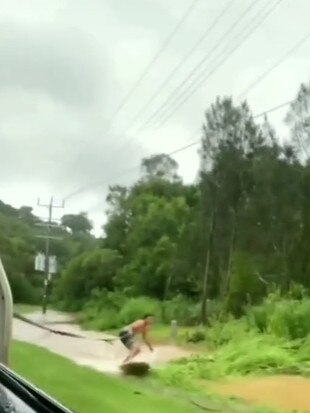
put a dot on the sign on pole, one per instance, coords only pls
(39, 263)
(52, 265)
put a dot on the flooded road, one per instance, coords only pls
(91, 352)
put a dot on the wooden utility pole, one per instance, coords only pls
(47, 237)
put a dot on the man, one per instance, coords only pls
(129, 333)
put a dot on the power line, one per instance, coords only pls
(147, 69)
(223, 60)
(274, 109)
(259, 115)
(227, 33)
(203, 79)
(154, 59)
(174, 152)
(275, 65)
(198, 66)
(178, 66)
(228, 5)
(261, 19)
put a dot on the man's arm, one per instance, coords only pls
(146, 340)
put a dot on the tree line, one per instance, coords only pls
(19, 244)
(241, 228)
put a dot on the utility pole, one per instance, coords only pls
(47, 237)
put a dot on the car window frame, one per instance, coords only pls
(29, 394)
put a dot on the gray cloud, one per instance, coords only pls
(143, 13)
(56, 61)
(65, 66)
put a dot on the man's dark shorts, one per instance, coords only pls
(127, 339)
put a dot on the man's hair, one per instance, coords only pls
(147, 316)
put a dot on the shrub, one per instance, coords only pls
(135, 308)
(284, 317)
(196, 336)
(273, 338)
(101, 312)
(23, 291)
(186, 312)
(253, 353)
(258, 316)
(297, 291)
(102, 320)
(173, 375)
(109, 310)
(291, 319)
(223, 333)
(84, 273)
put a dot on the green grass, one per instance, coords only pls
(87, 391)
(26, 308)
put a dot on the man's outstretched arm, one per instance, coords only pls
(147, 341)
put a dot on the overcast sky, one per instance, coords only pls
(66, 65)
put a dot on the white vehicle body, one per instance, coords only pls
(6, 316)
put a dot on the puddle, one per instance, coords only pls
(283, 392)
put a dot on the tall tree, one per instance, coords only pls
(77, 223)
(160, 166)
(298, 120)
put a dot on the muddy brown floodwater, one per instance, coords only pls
(283, 392)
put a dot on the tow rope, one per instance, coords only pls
(59, 332)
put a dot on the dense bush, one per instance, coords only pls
(223, 333)
(180, 308)
(283, 317)
(135, 308)
(92, 271)
(101, 311)
(254, 354)
(196, 336)
(99, 319)
(23, 290)
(108, 310)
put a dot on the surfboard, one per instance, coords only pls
(135, 368)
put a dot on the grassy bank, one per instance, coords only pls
(87, 391)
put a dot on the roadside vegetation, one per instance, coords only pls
(226, 256)
(270, 339)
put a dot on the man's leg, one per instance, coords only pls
(134, 351)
